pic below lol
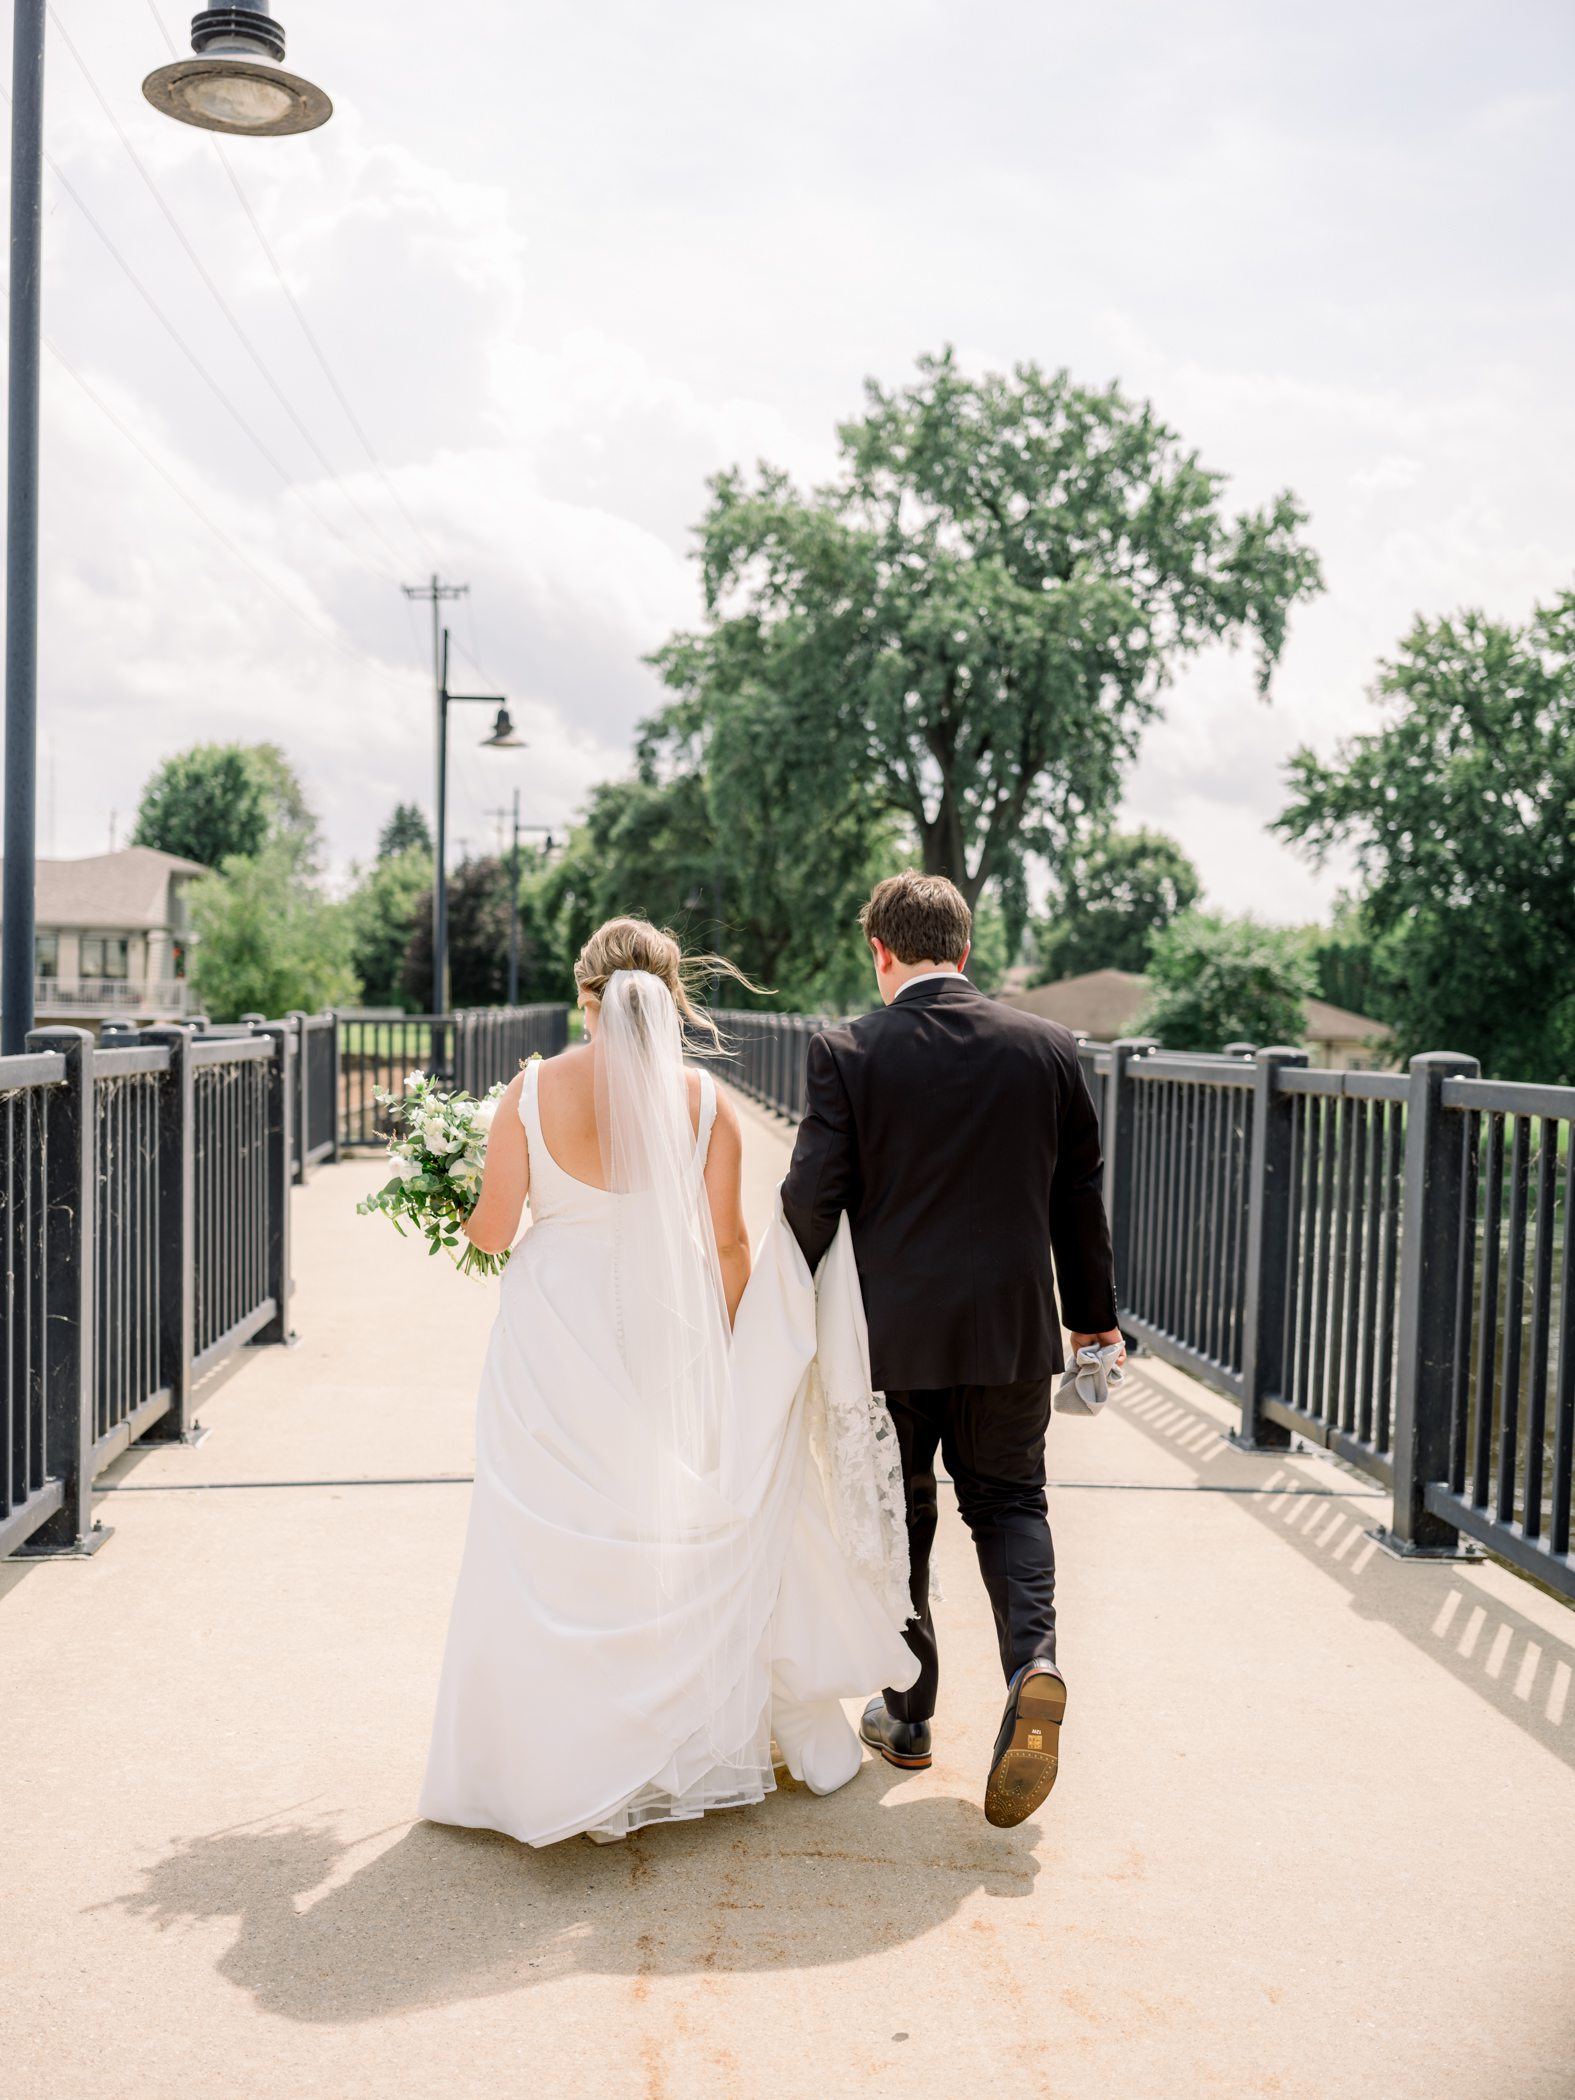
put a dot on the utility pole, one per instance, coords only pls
(547, 831)
(503, 738)
(436, 591)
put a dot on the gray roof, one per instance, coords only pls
(1105, 1004)
(110, 890)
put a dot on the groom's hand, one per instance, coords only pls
(1101, 1341)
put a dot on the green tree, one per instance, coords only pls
(218, 800)
(405, 830)
(1114, 895)
(1461, 812)
(964, 633)
(478, 939)
(1214, 980)
(267, 940)
(1356, 967)
(758, 881)
(388, 900)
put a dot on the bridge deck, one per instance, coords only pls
(1314, 1836)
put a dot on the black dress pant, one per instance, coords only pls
(992, 1438)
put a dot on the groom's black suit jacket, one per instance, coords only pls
(959, 1136)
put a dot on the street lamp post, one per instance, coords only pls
(503, 738)
(21, 559)
(234, 83)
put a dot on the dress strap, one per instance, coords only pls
(530, 1111)
(707, 1116)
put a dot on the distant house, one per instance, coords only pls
(113, 937)
(1105, 1004)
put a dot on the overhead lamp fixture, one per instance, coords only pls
(235, 83)
(504, 736)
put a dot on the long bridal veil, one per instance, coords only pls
(710, 1571)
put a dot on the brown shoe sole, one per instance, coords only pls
(1027, 1768)
(903, 1764)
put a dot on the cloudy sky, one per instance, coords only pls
(564, 261)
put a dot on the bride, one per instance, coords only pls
(681, 1543)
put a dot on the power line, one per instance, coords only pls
(323, 633)
(195, 362)
(313, 344)
(219, 299)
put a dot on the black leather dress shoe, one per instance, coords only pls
(1028, 1748)
(904, 1743)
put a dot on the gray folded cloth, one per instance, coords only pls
(1086, 1381)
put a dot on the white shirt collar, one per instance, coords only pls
(930, 977)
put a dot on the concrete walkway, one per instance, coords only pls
(1314, 1835)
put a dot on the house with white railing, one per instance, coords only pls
(113, 937)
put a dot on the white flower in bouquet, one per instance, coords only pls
(436, 1152)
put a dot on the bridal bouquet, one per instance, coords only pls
(437, 1144)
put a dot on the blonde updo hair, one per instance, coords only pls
(635, 944)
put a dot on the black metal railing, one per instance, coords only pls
(233, 1283)
(473, 1048)
(1341, 1319)
(491, 1043)
(767, 1056)
(1186, 1225)
(145, 1224)
(1511, 1405)
(1378, 1262)
(41, 1487)
(129, 1391)
(146, 1234)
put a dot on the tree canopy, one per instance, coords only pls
(962, 635)
(1214, 980)
(1460, 809)
(405, 830)
(1112, 896)
(478, 941)
(385, 907)
(268, 941)
(218, 800)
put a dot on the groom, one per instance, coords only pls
(959, 1136)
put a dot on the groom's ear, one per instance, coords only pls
(963, 962)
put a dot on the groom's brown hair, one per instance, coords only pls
(920, 918)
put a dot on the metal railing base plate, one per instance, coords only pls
(80, 1549)
(1398, 1549)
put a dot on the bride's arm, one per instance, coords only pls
(505, 1180)
(725, 1194)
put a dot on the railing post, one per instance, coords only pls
(1429, 1283)
(1116, 1137)
(175, 1228)
(68, 1298)
(280, 1097)
(1268, 1237)
(336, 1089)
(1239, 1050)
(302, 1136)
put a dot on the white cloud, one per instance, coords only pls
(569, 264)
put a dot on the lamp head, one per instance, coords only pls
(504, 736)
(235, 82)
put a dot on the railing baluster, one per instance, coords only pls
(1541, 1314)
(1514, 1291)
(1487, 1314)
(1564, 1388)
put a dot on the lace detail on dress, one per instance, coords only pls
(853, 1439)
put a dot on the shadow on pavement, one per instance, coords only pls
(445, 1915)
(1505, 1657)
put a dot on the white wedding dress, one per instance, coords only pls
(681, 1544)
